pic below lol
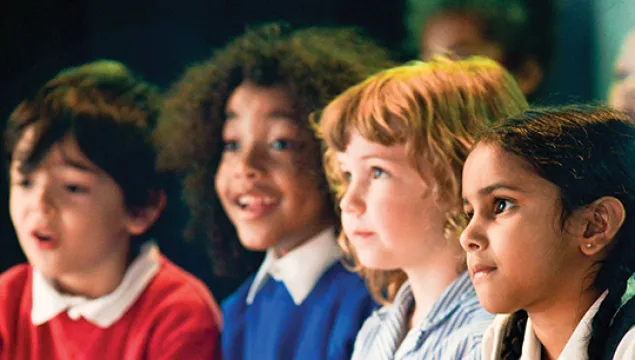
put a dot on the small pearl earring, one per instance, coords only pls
(588, 246)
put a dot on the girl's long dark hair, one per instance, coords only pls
(588, 152)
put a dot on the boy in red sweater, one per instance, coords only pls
(85, 199)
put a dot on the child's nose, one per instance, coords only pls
(472, 238)
(248, 165)
(352, 203)
(44, 200)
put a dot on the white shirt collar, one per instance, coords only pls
(301, 268)
(576, 347)
(103, 311)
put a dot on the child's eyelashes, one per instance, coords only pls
(501, 205)
(282, 144)
(277, 145)
(76, 189)
(374, 173)
(378, 172)
(21, 182)
(468, 214)
(347, 176)
(19, 179)
(72, 188)
(230, 145)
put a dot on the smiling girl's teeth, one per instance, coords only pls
(247, 200)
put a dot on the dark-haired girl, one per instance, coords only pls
(550, 196)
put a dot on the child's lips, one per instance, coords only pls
(363, 234)
(360, 235)
(253, 206)
(479, 271)
(247, 200)
(45, 239)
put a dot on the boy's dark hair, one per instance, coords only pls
(313, 65)
(588, 153)
(111, 115)
(524, 29)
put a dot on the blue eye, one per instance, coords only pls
(282, 144)
(230, 146)
(347, 176)
(378, 172)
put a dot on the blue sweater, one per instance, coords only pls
(323, 326)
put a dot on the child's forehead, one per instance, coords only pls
(360, 148)
(251, 97)
(265, 125)
(63, 152)
(491, 159)
(253, 106)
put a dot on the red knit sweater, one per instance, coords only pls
(175, 317)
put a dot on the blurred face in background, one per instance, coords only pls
(622, 93)
(458, 36)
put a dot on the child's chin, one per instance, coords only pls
(373, 261)
(255, 243)
(496, 306)
(49, 271)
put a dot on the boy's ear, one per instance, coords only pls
(141, 219)
(601, 220)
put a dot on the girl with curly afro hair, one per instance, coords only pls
(237, 127)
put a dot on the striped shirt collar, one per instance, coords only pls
(454, 295)
(300, 269)
(452, 329)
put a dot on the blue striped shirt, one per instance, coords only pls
(453, 329)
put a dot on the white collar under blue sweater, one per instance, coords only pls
(300, 269)
(103, 311)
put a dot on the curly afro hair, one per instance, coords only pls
(314, 65)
